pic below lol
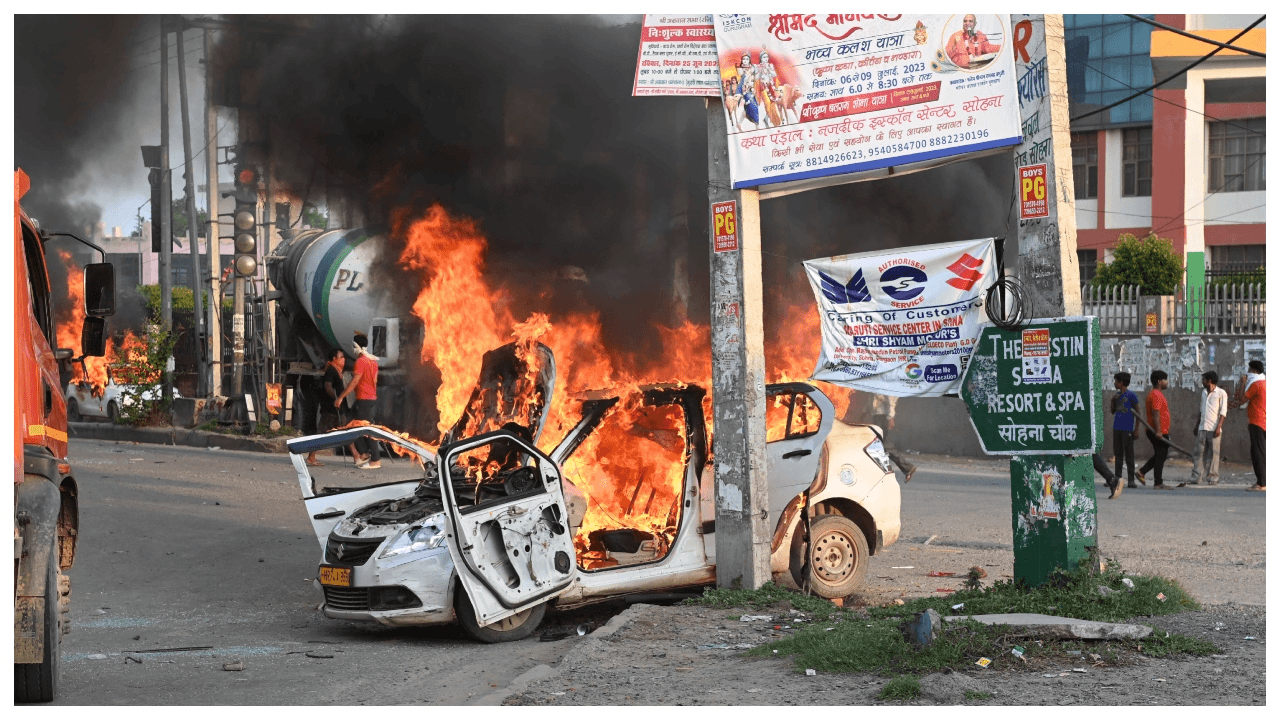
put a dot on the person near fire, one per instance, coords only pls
(332, 417)
(1124, 426)
(968, 44)
(1253, 399)
(365, 386)
(1213, 415)
(1157, 408)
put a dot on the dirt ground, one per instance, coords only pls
(651, 655)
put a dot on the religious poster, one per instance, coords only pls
(811, 96)
(901, 322)
(677, 57)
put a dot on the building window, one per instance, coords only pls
(1088, 265)
(1137, 162)
(1084, 164)
(1227, 260)
(1238, 155)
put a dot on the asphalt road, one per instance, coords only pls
(184, 547)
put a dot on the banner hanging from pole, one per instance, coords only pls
(809, 96)
(901, 322)
(677, 57)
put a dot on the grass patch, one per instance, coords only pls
(903, 687)
(1073, 595)
(768, 594)
(975, 695)
(872, 641)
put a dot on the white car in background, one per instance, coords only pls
(492, 544)
(83, 404)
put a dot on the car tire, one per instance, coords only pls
(517, 627)
(38, 682)
(837, 555)
(113, 412)
(73, 410)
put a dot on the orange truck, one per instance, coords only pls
(45, 511)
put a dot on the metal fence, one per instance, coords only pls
(1215, 309)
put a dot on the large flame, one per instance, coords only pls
(632, 468)
(69, 325)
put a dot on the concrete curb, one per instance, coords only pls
(580, 649)
(174, 436)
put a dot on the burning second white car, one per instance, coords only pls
(491, 531)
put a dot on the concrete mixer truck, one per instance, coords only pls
(329, 289)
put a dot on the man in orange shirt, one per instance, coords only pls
(1255, 401)
(968, 44)
(365, 385)
(1157, 417)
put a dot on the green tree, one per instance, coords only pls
(180, 219)
(1149, 262)
(140, 373)
(312, 217)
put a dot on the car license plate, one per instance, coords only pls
(335, 576)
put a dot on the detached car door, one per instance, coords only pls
(511, 542)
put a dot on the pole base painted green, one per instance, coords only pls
(1055, 514)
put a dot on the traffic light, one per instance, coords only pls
(245, 221)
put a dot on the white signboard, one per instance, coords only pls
(809, 96)
(677, 57)
(901, 322)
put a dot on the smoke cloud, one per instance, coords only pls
(527, 124)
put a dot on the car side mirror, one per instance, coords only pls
(99, 291)
(93, 337)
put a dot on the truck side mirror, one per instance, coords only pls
(93, 336)
(99, 292)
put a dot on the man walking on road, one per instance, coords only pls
(1158, 418)
(1125, 426)
(365, 385)
(1255, 402)
(882, 412)
(1213, 415)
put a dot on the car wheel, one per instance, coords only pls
(837, 557)
(38, 682)
(517, 627)
(73, 410)
(113, 411)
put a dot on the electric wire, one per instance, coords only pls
(1193, 36)
(1180, 73)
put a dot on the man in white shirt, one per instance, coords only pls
(1213, 415)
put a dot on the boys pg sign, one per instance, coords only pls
(1035, 391)
(724, 217)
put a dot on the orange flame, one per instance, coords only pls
(632, 467)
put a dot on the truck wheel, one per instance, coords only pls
(73, 410)
(517, 627)
(113, 412)
(837, 556)
(38, 682)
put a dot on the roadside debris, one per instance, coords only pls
(168, 650)
(983, 662)
(319, 655)
(1127, 583)
(236, 666)
(810, 672)
(1060, 627)
(134, 658)
(937, 573)
(1104, 591)
(921, 630)
(754, 618)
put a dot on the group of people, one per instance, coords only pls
(1251, 395)
(364, 385)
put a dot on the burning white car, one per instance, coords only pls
(84, 401)
(490, 531)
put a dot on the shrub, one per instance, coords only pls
(1149, 262)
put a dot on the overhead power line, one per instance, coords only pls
(1193, 36)
(1181, 72)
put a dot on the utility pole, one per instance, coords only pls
(193, 230)
(215, 234)
(1047, 261)
(166, 208)
(737, 370)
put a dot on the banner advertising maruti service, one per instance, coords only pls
(901, 322)
(808, 96)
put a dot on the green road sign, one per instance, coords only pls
(1035, 391)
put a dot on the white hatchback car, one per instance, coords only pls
(490, 531)
(83, 402)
